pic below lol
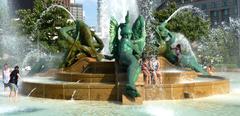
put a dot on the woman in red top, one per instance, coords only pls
(146, 72)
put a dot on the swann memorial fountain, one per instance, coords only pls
(85, 76)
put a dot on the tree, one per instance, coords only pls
(41, 24)
(186, 22)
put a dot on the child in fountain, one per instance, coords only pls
(178, 51)
(5, 75)
(13, 82)
(210, 70)
(145, 70)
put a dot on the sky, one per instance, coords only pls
(90, 11)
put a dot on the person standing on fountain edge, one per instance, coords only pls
(5, 76)
(13, 82)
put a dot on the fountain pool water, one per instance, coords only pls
(223, 105)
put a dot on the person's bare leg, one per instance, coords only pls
(5, 90)
(16, 96)
(149, 78)
(10, 94)
(156, 78)
(159, 75)
(146, 73)
(146, 79)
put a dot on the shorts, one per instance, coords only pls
(5, 85)
(13, 87)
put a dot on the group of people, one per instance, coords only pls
(152, 74)
(151, 71)
(10, 79)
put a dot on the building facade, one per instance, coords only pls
(77, 11)
(28, 4)
(15, 5)
(218, 11)
(99, 15)
(65, 3)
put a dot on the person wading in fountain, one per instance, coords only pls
(5, 76)
(13, 82)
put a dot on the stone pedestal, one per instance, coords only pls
(131, 101)
(138, 100)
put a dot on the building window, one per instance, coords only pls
(225, 15)
(235, 10)
(215, 13)
(213, 5)
(225, 3)
(235, 2)
(182, 1)
(187, 1)
(179, 1)
(204, 6)
(225, 12)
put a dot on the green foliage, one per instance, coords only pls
(42, 26)
(26, 22)
(186, 22)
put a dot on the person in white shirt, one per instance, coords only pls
(5, 76)
(155, 68)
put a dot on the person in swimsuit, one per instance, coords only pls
(156, 73)
(146, 71)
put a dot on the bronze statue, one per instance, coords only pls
(128, 50)
(83, 42)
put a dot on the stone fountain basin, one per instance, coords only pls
(84, 77)
(172, 76)
(49, 88)
(203, 86)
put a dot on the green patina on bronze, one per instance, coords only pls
(79, 42)
(165, 39)
(128, 50)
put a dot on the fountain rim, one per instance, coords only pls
(57, 82)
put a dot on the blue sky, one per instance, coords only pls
(90, 9)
